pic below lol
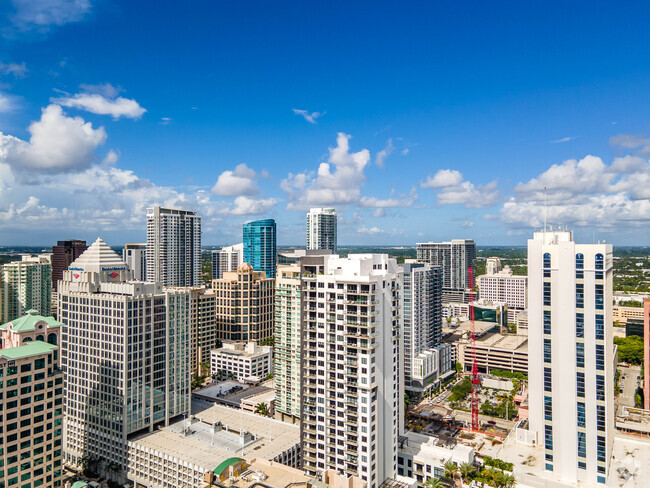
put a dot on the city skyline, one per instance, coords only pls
(395, 116)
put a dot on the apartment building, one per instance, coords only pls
(288, 332)
(31, 402)
(504, 287)
(245, 361)
(260, 245)
(352, 366)
(455, 258)
(173, 247)
(135, 256)
(125, 353)
(570, 356)
(227, 259)
(245, 302)
(321, 229)
(26, 285)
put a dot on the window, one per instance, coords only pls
(547, 265)
(547, 350)
(600, 417)
(548, 408)
(600, 327)
(600, 387)
(580, 325)
(580, 384)
(548, 381)
(600, 357)
(582, 444)
(580, 354)
(601, 448)
(548, 437)
(599, 297)
(580, 295)
(547, 321)
(581, 414)
(580, 265)
(547, 294)
(599, 266)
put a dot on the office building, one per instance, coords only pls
(504, 287)
(321, 229)
(26, 285)
(31, 402)
(422, 318)
(173, 247)
(493, 266)
(260, 245)
(125, 353)
(226, 259)
(63, 254)
(455, 258)
(570, 355)
(244, 301)
(245, 361)
(352, 369)
(135, 256)
(646, 353)
(288, 332)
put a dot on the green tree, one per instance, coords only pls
(434, 483)
(466, 471)
(450, 469)
(508, 481)
(630, 349)
(262, 409)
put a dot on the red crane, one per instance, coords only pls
(475, 379)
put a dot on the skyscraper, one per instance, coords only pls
(321, 229)
(352, 374)
(173, 247)
(226, 259)
(260, 245)
(455, 258)
(570, 354)
(125, 352)
(26, 285)
(422, 316)
(63, 254)
(135, 255)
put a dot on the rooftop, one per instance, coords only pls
(98, 257)
(34, 348)
(28, 322)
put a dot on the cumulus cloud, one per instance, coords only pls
(444, 177)
(8, 102)
(337, 181)
(384, 153)
(18, 70)
(58, 143)
(105, 89)
(640, 144)
(241, 181)
(370, 231)
(452, 189)
(42, 14)
(97, 103)
(252, 206)
(309, 117)
(401, 201)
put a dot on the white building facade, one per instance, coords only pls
(227, 259)
(244, 360)
(125, 355)
(455, 257)
(352, 381)
(173, 247)
(570, 352)
(504, 287)
(322, 229)
(135, 256)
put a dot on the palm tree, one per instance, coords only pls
(497, 477)
(204, 367)
(491, 475)
(434, 483)
(262, 409)
(508, 481)
(450, 469)
(466, 471)
(112, 468)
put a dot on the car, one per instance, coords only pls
(491, 422)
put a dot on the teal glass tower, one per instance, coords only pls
(260, 245)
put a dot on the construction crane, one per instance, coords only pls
(475, 379)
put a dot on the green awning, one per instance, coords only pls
(228, 462)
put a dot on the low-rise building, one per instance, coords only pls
(621, 314)
(250, 403)
(244, 361)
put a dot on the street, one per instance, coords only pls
(629, 384)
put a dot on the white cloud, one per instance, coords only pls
(402, 201)
(111, 157)
(467, 224)
(99, 104)
(630, 141)
(564, 139)
(309, 117)
(58, 143)
(370, 231)
(241, 181)
(165, 120)
(8, 102)
(251, 206)
(404, 151)
(105, 89)
(15, 69)
(41, 14)
(384, 153)
(337, 181)
(444, 177)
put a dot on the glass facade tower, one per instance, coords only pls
(260, 245)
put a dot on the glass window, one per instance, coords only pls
(580, 295)
(599, 266)
(580, 384)
(548, 437)
(599, 297)
(547, 265)
(581, 414)
(600, 387)
(548, 408)
(600, 417)
(547, 294)
(600, 357)
(582, 444)
(547, 379)
(547, 321)
(547, 350)
(600, 327)
(580, 325)
(580, 265)
(580, 354)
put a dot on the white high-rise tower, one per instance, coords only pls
(570, 355)
(321, 229)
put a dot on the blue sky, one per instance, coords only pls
(416, 120)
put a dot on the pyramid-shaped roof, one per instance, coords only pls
(98, 257)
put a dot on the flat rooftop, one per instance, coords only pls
(278, 475)
(504, 341)
(204, 448)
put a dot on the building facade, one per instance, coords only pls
(125, 354)
(63, 254)
(422, 319)
(244, 305)
(504, 287)
(646, 353)
(260, 245)
(173, 247)
(26, 285)
(455, 258)
(321, 229)
(288, 332)
(245, 361)
(352, 369)
(135, 256)
(226, 259)
(570, 348)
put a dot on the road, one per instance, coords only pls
(629, 384)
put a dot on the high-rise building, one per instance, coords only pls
(173, 247)
(422, 318)
(125, 353)
(63, 254)
(646, 353)
(203, 328)
(493, 266)
(135, 255)
(352, 374)
(260, 245)
(504, 287)
(288, 331)
(26, 285)
(321, 229)
(244, 305)
(227, 259)
(570, 355)
(31, 402)
(455, 258)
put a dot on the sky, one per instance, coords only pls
(417, 121)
